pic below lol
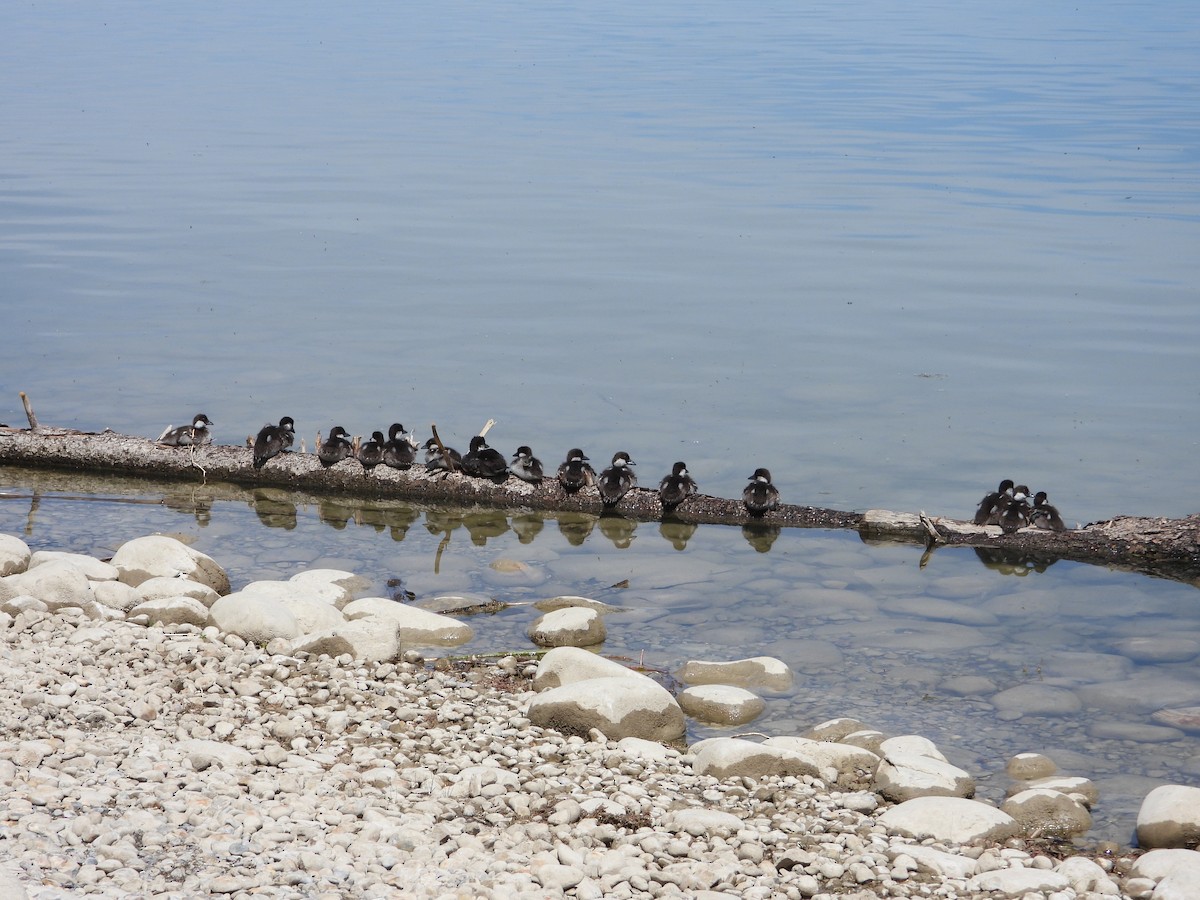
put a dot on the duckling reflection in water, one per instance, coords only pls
(677, 533)
(618, 529)
(527, 527)
(760, 535)
(575, 527)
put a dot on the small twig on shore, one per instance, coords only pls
(446, 460)
(192, 459)
(33, 422)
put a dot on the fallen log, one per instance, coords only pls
(1168, 548)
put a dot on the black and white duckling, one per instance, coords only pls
(195, 435)
(1016, 511)
(370, 453)
(526, 466)
(617, 480)
(273, 440)
(399, 452)
(676, 487)
(575, 472)
(760, 496)
(992, 505)
(336, 447)
(435, 461)
(1044, 515)
(483, 461)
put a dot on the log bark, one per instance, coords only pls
(1167, 548)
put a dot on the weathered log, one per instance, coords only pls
(1167, 548)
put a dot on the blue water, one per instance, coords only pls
(894, 252)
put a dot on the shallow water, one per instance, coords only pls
(868, 632)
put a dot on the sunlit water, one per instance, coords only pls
(867, 632)
(894, 252)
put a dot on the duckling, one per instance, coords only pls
(676, 487)
(1016, 511)
(526, 466)
(1044, 515)
(991, 507)
(195, 435)
(273, 440)
(760, 496)
(336, 447)
(435, 461)
(370, 454)
(399, 452)
(483, 461)
(575, 472)
(617, 480)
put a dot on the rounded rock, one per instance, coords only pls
(721, 704)
(1169, 817)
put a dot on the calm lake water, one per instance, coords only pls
(893, 252)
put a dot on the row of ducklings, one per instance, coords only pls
(1008, 506)
(399, 451)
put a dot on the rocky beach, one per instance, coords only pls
(166, 736)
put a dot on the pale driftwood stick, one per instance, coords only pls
(33, 422)
(487, 427)
(438, 440)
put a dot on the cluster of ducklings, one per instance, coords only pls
(399, 451)
(1008, 506)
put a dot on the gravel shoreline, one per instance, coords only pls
(179, 762)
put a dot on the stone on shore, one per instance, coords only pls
(172, 611)
(845, 765)
(159, 555)
(313, 614)
(258, 619)
(414, 627)
(1169, 817)
(949, 819)
(910, 744)
(58, 584)
(14, 555)
(765, 672)
(567, 665)
(161, 588)
(368, 638)
(619, 707)
(1043, 813)
(1082, 789)
(117, 595)
(1018, 882)
(734, 757)
(316, 591)
(1028, 766)
(904, 776)
(722, 704)
(347, 581)
(93, 569)
(572, 626)
(1168, 863)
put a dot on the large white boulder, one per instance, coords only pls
(1169, 817)
(567, 665)
(951, 820)
(722, 704)
(903, 776)
(14, 555)
(257, 619)
(415, 627)
(92, 568)
(1018, 882)
(845, 765)
(619, 707)
(731, 757)
(573, 626)
(765, 672)
(1043, 813)
(172, 611)
(369, 638)
(58, 584)
(157, 554)
(160, 588)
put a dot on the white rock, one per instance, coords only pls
(723, 704)
(172, 611)
(57, 584)
(160, 588)
(903, 776)
(480, 781)
(567, 665)
(939, 862)
(764, 672)
(347, 581)
(647, 751)
(14, 606)
(949, 819)
(1082, 873)
(313, 615)
(572, 626)
(841, 764)
(1027, 766)
(157, 554)
(619, 707)
(202, 754)
(1016, 882)
(703, 822)
(92, 568)
(116, 595)
(1176, 887)
(835, 729)
(415, 627)
(1158, 864)
(11, 887)
(727, 757)
(257, 619)
(911, 744)
(1064, 784)
(1169, 817)
(1042, 812)
(370, 638)
(14, 555)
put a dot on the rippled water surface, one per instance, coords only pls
(893, 252)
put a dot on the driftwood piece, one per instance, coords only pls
(1167, 548)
